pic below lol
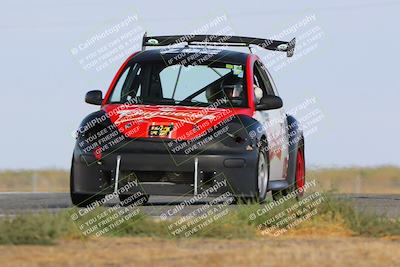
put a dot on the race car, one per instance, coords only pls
(186, 116)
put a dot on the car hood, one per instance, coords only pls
(161, 121)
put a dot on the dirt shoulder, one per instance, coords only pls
(282, 251)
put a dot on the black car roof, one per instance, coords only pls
(177, 54)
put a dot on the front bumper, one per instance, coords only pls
(158, 172)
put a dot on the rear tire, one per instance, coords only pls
(300, 178)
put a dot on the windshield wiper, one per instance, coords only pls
(158, 100)
(192, 101)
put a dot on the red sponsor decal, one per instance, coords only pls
(184, 123)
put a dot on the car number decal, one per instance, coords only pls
(160, 130)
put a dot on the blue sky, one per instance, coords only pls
(352, 72)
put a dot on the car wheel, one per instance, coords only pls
(77, 199)
(300, 179)
(262, 176)
(300, 172)
(84, 200)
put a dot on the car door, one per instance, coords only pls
(276, 126)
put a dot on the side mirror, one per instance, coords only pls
(94, 97)
(269, 102)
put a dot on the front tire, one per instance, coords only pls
(78, 199)
(261, 177)
(84, 200)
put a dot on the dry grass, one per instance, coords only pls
(333, 217)
(326, 240)
(24, 181)
(377, 180)
(283, 251)
(323, 225)
(329, 239)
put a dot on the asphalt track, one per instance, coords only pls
(18, 202)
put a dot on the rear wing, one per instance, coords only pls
(219, 40)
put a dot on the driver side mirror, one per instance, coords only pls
(94, 97)
(269, 102)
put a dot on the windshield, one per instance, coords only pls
(155, 83)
